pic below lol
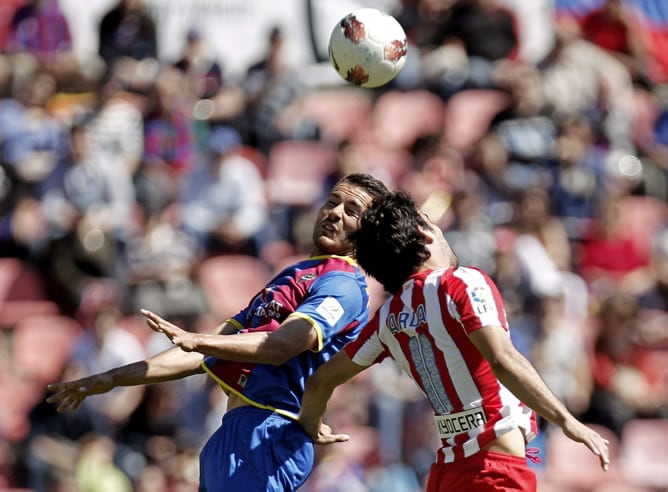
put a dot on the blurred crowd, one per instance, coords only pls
(136, 182)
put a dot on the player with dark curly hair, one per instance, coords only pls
(446, 327)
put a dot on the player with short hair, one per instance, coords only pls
(446, 327)
(296, 323)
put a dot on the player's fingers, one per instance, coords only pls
(153, 325)
(65, 404)
(154, 317)
(54, 397)
(58, 395)
(331, 438)
(150, 316)
(604, 454)
(599, 447)
(340, 437)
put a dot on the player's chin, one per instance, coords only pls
(333, 245)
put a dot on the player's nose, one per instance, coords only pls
(335, 213)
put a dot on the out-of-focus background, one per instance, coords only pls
(171, 154)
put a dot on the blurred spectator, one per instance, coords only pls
(96, 471)
(224, 200)
(105, 345)
(524, 127)
(578, 177)
(77, 261)
(655, 297)
(628, 383)
(126, 30)
(465, 40)
(169, 140)
(217, 101)
(160, 261)
(40, 28)
(612, 27)
(471, 231)
(561, 355)
(31, 142)
(204, 73)
(7, 10)
(31, 138)
(581, 79)
(544, 255)
(656, 168)
(535, 28)
(535, 218)
(271, 88)
(85, 184)
(115, 127)
(498, 182)
(610, 258)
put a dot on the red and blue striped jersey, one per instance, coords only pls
(425, 328)
(330, 292)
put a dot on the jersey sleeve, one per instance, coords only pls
(239, 319)
(367, 349)
(334, 301)
(477, 300)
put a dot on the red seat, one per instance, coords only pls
(255, 156)
(298, 172)
(571, 466)
(399, 118)
(22, 293)
(642, 217)
(42, 345)
(388, 164)
(468, 115)
(230, 282)
(645, 452)
(340, 114)
(16, 400)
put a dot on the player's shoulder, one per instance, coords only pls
(335, 264)
(468, 276)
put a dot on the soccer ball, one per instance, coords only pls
(368, 48)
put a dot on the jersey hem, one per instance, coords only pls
(229, 389)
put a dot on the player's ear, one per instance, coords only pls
(427, 234)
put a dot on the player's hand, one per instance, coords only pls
(326, 436)
(69, 395)
(178, 336)
(590, 438)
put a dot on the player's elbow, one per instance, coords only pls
(319, 383)
(503, 362)
(279, 350)
(277, 355)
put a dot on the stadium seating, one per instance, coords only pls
(22, 292)
(644, 455)
(298, 172)
(230, 281)
(570, 466)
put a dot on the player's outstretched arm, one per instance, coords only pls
(166, 366)
(68, 396)
(266, 345)
(318, 391)
(520, 377)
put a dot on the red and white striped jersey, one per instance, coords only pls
(425, 329)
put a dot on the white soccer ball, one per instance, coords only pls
(368, 47)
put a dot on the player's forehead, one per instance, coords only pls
(351, 194)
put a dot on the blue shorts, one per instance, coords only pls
(256, 450)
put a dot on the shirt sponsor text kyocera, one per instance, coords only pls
(452, 424)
